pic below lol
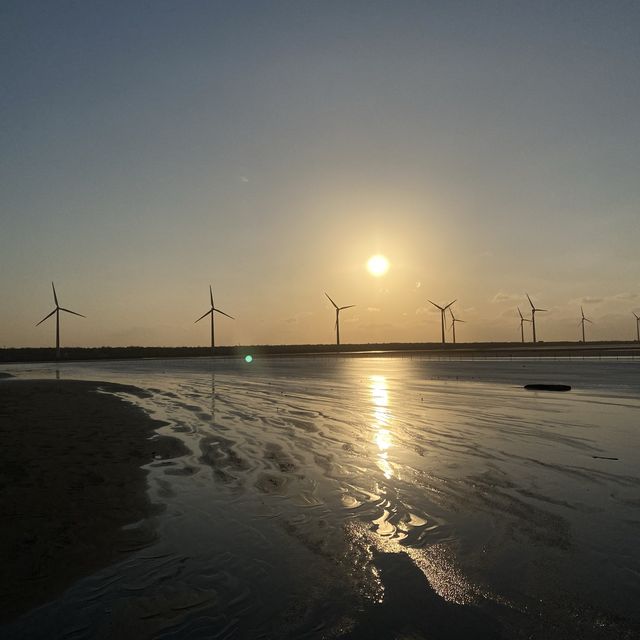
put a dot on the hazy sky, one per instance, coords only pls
(270, 148)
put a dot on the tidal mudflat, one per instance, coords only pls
(396, 497)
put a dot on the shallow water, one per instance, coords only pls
(375, 497)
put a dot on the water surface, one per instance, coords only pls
(376, 497)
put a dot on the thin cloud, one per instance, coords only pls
(590, 300)
(420, 311)
(295, 319)
(373, 309)
(501, 296)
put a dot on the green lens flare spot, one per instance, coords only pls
(248, 358)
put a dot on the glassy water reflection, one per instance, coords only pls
(344, 497)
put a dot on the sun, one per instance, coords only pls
(377, 265)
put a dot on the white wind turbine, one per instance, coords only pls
(522, 321)
(338, 310)
(453, 324)
(583, 319)
(533, 317)
(57, 311)
(442, 314)
(213, 311)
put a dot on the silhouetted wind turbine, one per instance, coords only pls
(338, 310)
(211, 311)
(637, 325)
(533, 317)
(522, 321)
(453, 324)
(442, 314)
(583, 319)
(57, 311)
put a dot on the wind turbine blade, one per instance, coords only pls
(589, 321)
(43, 319)
(460, 320)
(211, 295)
(581, 311)
(204, 315)
(223, 313)
(332, 302)
(542, 309)
(55, 297)
(450, 303)
(74, 313)
(636, 315)
(528, 298)
(349, 306)
(435, 305)
(520, 313)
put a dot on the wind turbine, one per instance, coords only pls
(57, 311)
(211, 311)
(637, 325)
(533, 317)
(338, 310)
(442, 314)
(522, 321)
(453, 324)
(582, 321)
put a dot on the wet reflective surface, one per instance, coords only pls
(376, 497)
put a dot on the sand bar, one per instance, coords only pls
(70, 479)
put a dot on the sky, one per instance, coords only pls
(150, 149)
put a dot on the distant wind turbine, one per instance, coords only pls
(637, 325)
(211, 311)
(57, 311)
(442, 314)
(533, 316)
(338, 310)
(522, 321)
(453, 324)
(583, 319)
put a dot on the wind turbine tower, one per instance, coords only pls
(442, 314)
(338, 310)
(57, 311)
(637, 317)
(522, 321)
(213, 311)
(583, 319)
(533, 316)
(453, 324)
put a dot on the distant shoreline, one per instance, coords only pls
(435, 350)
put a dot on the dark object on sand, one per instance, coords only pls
(604, 458)
(547, 387)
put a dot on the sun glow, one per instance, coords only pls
(377, 265)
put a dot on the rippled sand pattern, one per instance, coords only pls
(377, 497)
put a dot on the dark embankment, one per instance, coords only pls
(429, 349)
(70, 479)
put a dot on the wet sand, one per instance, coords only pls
(70, 480)
(374, 497)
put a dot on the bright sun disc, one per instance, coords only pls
(378, 265)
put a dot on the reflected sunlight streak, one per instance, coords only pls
(381, 419)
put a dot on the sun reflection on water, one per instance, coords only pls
(382, 436)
